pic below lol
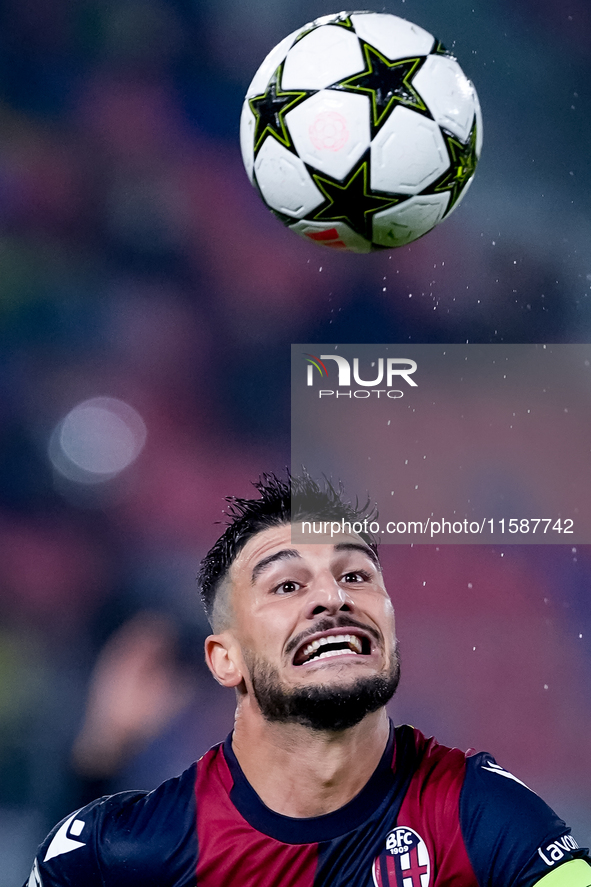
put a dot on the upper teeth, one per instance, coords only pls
(350, 639)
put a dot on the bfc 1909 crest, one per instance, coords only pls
(404, 862)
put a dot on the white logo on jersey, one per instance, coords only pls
(61, 843)
(557, 849)
(495, 768)
(35, 877)
(404, 862)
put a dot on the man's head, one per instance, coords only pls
(305, 630)
(298, 498)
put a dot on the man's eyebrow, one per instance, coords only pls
(358, 546)
(267, 561)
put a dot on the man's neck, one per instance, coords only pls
(301, 772)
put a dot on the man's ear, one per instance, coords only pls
(221, 655)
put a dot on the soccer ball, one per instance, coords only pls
(361, 131)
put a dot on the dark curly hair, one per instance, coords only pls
(298, 497)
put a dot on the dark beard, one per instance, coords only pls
(321, 707)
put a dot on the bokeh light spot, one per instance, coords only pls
(97, 440)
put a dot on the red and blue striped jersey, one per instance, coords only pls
(429, 816)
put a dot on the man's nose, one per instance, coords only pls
(327, 597)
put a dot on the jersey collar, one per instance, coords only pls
(314, 829)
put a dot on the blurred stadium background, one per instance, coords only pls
(139, 271)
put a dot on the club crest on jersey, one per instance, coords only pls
(404, 862)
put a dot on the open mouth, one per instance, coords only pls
(329, 646)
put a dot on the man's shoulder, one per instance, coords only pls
(144, 824)
(475, 779)
(130, 835)
(491, 820)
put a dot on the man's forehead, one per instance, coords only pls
(268, 542)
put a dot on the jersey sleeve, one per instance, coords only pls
(513, 838)
(131, 839)
(69, 856)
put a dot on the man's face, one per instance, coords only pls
(315, 627)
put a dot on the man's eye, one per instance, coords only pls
(356, 576)
(286, 587)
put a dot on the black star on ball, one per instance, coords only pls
(270, 109)
(386, 83)
(352, 201)
(463, 160)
